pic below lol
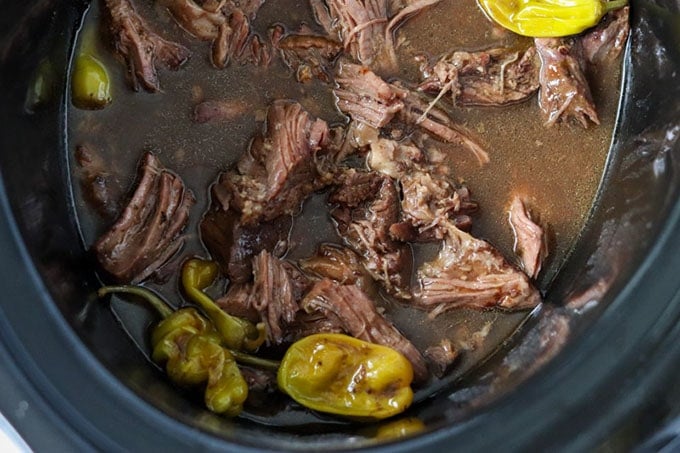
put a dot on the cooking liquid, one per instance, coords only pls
(558, 169)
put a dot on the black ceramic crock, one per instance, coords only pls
(71, 380)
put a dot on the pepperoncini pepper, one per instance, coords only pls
(192, 352)
(238, 334)
(548, 18)
(90, 83)
(342, 375)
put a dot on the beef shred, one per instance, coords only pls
(469, 272)
(360, 318)
(564, 92)
(141, 47)
(606, 40)
(361, 25)
(100, 185)
(367, 206)
(226, 25)
(491, 77)
(367, 98)
(282, 167)
(530, 241)
(307, 54)
(147, 233)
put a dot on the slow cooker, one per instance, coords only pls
(595, 367)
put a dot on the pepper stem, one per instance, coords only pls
(255, 361)
(156, 302)
(614, 5)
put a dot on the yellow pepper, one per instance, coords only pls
(399, 429)
(191, 350)
(548, 18)
(90, 84)
(238, 334)
(342, 375)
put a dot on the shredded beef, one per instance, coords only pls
(366, 97)
(564, 92)
(490, 77)
(428, 197)
(275, 294)
(140, 47)
(363, 220)
(273, 298)
(147, 233)
(233, 244)
(438, 124)
(226, 26)
(361, 25)
(281, 168)
(441, 357)
(429, 202)
(339, 264)
(469, 272)
(359, 318)
(606, 41)
(530, 243)
(306, 324)
(101, 187)
(236, 302)
(308, 55)
(392, 158)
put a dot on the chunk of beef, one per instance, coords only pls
(339, 264)
(223, 24)
(308, 55)
(307, 324)
(363, 221)
(366, 97)
(564, 89)
(530, 244)
(242, 45)
(140, 47)
(277, 288)
(428, 196)
(490, 77)
(101, 187)
(361, 25)
(281, 169)
(367, 27)
(441, 356)
(220, 110)
(360, 318)
(469, 272)
(236, 302)
(606, 41)
(430, 202)
(392, 158)
(233, 244)
(147, 233)
(273, 298)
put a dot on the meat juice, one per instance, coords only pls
(556, 169)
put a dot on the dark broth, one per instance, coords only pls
(557, 168)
